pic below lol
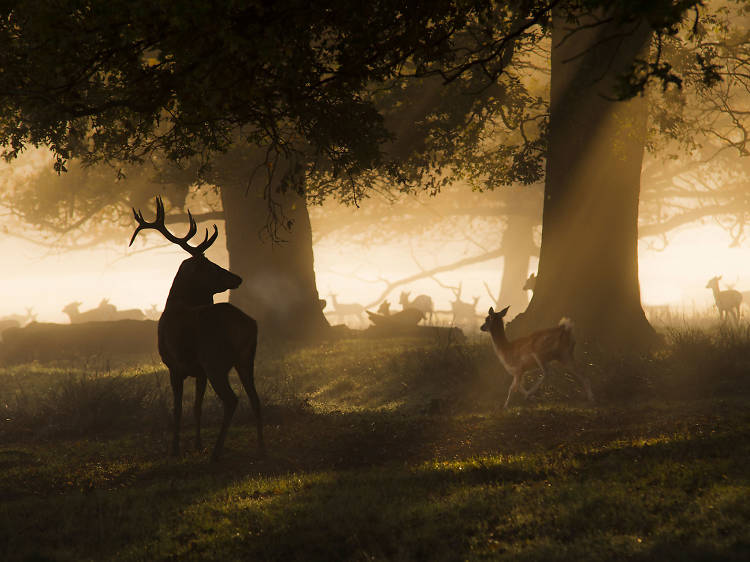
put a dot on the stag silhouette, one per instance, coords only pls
(200, 339)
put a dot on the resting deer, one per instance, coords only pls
(105, 312)
(422, 303)
(533, 352)
(728, 302)
(200, 339)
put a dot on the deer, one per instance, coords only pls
(21, 319)
(533, 352)
(346, 310)
(384, 309)
(728, 302)
(105, 312)
(463, 312)
(530, 283)
(423, 303)
(197, 338)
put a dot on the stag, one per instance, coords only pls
(200, 339)
(532, 352)
(423, 303)
(728, 302)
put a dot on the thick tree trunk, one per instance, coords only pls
(518, 247)
(278, 288)
(588, 266)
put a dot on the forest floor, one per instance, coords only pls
(386, 450)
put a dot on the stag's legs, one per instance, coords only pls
(176, 380)
(220, 383)
(200, 390)
(247, 377)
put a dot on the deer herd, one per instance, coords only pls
(203, 340)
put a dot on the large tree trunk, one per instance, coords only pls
(518, 247)
(278, 288)
(588, 266)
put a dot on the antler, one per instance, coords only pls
(158, 224)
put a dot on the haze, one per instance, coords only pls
(46, 279)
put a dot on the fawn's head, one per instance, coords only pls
(494, 321)
(198, 278)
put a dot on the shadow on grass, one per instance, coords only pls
(526, 485)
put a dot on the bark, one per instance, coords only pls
(518, 247)
(588, 265)
(279, 288)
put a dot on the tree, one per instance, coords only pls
(588, 266)
(304, 82)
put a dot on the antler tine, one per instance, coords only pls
(158, 224)
(207, 242)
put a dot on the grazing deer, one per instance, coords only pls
(346, 310)
(530, 284)
(422, 303)
(532, 352)
(200, 339)
(728, 302)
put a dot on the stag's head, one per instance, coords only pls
(494, 321)
(198, 278)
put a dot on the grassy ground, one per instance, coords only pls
(387, 450)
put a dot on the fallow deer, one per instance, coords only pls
(342, 310)
(422, 303)
(463, 312)
(530, 283)
(200, 339)
(105, 312)
(533, 352)
(728, 302)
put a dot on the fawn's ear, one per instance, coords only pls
(491, 311)
(503, 311)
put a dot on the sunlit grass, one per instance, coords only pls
(387, 450)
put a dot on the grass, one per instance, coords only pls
(387, 450)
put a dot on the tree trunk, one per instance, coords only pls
(588, 264)
(518, 247)
(278, 288)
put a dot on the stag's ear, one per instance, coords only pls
(491, 311)
(503, 311)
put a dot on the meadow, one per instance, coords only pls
(386, 450)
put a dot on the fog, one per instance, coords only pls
(47, 279)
